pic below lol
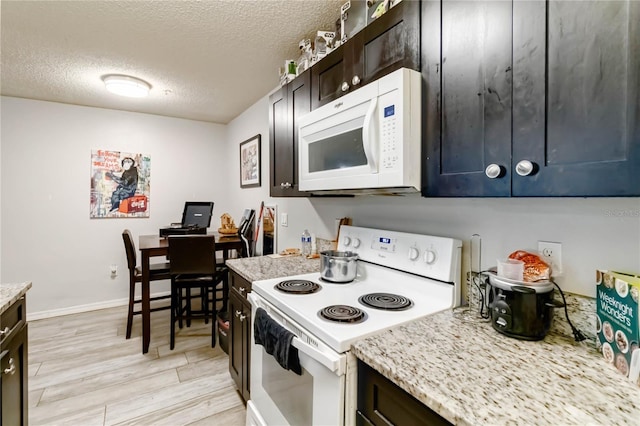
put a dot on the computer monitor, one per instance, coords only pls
(197, 213)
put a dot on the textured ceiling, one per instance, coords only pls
(206, 60)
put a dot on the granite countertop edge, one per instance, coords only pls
(10, 293)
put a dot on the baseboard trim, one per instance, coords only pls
(34, 316)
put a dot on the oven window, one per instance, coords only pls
(337, 152)
(292, 394)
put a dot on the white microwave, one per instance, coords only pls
(367, 141)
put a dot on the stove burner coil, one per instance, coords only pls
(297, 286)
(386, 301)
(342, 313)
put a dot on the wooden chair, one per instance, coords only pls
(193, 267)
(157, 271)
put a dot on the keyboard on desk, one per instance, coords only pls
(181, 230)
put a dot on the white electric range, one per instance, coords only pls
(408, 275)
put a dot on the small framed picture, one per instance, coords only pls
(250, 162)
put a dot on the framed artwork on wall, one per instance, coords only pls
(119, 184)
(250, 162)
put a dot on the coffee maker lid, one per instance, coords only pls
(508, 284)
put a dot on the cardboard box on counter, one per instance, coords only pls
(618, 323)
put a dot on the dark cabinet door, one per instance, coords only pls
(236, 343)
(389, 43)
(382, 402)
(286, 106)
(467, 99)
(240, 332)
(577, 97)
(13, 381)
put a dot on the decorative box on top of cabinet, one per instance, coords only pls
(240, 333)
(531, 98)
(13, 365)
(389, 43)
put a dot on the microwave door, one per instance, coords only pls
(340, 146)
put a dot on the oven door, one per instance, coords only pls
(281, 397)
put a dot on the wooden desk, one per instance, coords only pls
(151, 246)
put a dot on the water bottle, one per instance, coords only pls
(306, 243)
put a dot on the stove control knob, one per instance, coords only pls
(413, 253)
(356, 242)
(346, 241)
(430, 257)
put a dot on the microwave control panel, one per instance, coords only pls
(389, 139)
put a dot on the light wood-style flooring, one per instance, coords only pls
(82, 371)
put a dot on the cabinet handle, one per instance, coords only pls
(524, 168)
(285, 185)
(242, 317)
(4, 331)
(355, 80)
(238, 313)
(345, 86)
(242, 290)
(493, 171)
(12, 368)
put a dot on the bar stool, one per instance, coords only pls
(193, 267)
(157, 271)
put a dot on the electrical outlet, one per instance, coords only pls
(551, 253)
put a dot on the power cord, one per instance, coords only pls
(477, 281)
(577, 334)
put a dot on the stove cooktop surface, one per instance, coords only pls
(426, 297)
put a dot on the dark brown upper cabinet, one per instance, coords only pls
(531, 98)
(390, 42)
(286, 106)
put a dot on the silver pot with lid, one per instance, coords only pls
(338, 266)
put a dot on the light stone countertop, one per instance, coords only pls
(472, 375)
(265, 267)
(10, 293)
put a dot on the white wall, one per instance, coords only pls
(594, 232)
(47, 236)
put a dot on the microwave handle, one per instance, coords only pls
(368, 137)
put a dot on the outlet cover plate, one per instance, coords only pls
(551, 252)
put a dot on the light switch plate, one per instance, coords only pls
(284, 219)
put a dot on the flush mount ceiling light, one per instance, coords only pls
(125, 85)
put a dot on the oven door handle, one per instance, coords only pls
(335, 363)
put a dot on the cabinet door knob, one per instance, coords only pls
(285, 185)
(345, 86)
(242, 317)
(524, 167)
(238, 313)
(4, 331)
(355, 80)
(493, 171)
(242, 290)
(12, 368)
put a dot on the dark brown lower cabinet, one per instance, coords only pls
(382, 402)
(13, 366)
(240, 333)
